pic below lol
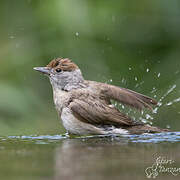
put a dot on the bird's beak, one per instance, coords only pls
(44, 70)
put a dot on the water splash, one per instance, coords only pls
(144, 116)
(42, 139)
(172, 102)
(77, 33)
(153, 90)
(160, 103)
(149, 117)
(143, 138)
(109, 81)
(139, 84)
(155, 138)
(168, 92)
(146, 121)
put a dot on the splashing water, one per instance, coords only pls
(144, 116)
(148, 117)
(174, 101)
(153, 90)
(160, 103)
(168, 92)
(143, 138)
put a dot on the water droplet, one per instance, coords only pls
(155, 110)
(169, 103)
(177, 100)
(77, 34)
(136, 85)
(149, 117)
(174, 101)
(153, 90)
(130, 68)
(168, 126)
(143, 120)
(136, 78)
(158, 75)
(147, 70)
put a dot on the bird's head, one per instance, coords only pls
(63, 73)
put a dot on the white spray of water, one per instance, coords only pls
(164, 96)
(147, 118)
(168, 92)
(174, 101)
(153, 90)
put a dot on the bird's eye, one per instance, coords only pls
(58, 70)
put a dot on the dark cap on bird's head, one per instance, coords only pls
(63, 64)
(58, 65)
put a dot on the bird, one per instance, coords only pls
(85, 107)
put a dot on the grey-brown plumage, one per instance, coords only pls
(85, 106)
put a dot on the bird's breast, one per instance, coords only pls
(61, 99)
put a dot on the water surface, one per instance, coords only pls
(93, 157)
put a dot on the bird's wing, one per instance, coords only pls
(94, 111)
(127, 97)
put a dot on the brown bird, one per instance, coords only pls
(85, 106)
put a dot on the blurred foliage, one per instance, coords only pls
(134, 43)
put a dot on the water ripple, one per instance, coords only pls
(143, 138)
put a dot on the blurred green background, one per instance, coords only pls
(134, 44)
